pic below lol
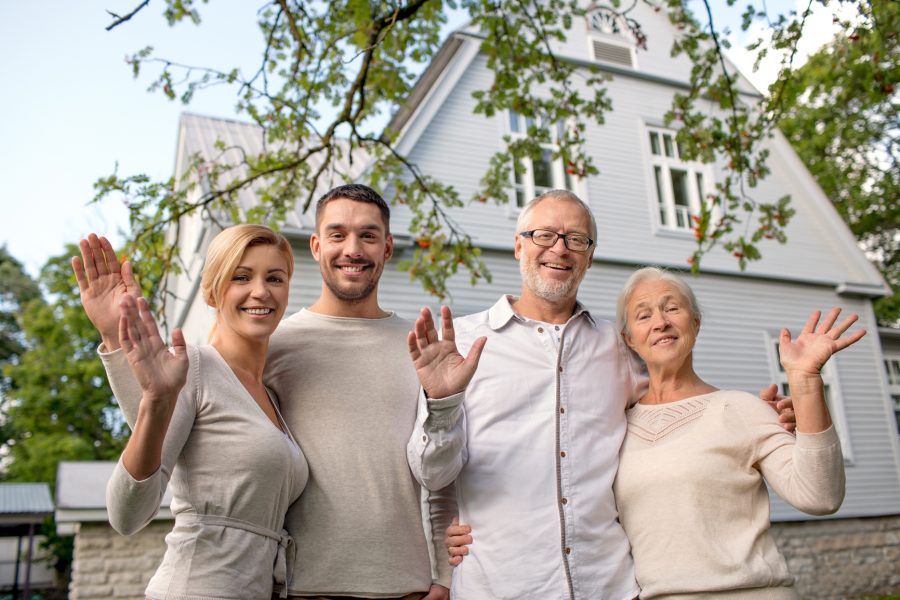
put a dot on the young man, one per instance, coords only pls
(348, 392)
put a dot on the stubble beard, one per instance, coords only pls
(552, 291)
(353, 295)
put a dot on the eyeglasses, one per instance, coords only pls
(575, 242)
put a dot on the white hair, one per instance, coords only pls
(653, 274)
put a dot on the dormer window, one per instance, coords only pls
(610, 37)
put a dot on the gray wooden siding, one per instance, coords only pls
(458, 144)
(731, 351)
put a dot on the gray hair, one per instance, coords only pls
(522, 221)
(653, 274)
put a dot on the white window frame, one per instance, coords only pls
(833, 396)
(524, 188)
(672, 213)
(892, 368)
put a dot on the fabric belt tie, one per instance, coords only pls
(284, 559)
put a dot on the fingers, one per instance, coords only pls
(80, 276)
(830, 318)
(413, 346)
(87, 257)
(811, 321)
(425, 332)
(447, 332)
(128, 277)
(844, 325)
(768, 393)
(842, 343)
(149, 329)
(129, 333)
(179, 346)
(785, 337)
(475, 353)
(97, 251)
(109, 255)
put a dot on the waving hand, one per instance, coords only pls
(442, 370)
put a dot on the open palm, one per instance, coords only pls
(103, 283)
(442, 370)
(160, 372)
(810, 350)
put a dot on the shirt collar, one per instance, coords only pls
(502, 313)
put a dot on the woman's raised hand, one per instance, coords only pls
(808, 352)
(160, 372)
(103, 283)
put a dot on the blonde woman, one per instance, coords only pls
(202, 421)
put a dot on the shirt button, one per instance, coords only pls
(564, 501)
(560, 368)
(557, 327)
(540, 330)
(563, 453)
(568, 551)
(562, 409)
(424, 438)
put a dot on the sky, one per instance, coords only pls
(71, 110)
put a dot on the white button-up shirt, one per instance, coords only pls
(533, 444)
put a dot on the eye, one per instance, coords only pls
(543, 235)
(275, 279)
(672, 308)
(240, 277)
(335, 236)
(369, 236)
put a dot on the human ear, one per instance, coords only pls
(314, 246)
(389, 247)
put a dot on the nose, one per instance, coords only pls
(353, 246)
(659, 320)
(260, 289)
(560, 246)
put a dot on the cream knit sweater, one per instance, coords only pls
(692, 497)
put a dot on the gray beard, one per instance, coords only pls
(552, 291)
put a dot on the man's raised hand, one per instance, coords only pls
(442, 370)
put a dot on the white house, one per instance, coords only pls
(642, 200)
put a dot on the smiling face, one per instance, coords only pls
(255, 298)
(351, 245)
(659, 324)
(553, 274)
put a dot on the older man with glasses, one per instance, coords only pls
(533, 439)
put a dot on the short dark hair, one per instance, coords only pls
(358, 193)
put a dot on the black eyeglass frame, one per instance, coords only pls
(564, 236)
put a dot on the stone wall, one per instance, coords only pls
(842, 558)
(107, 565)
(831, 559)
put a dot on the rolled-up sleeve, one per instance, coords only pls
(437, 447)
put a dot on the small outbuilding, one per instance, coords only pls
(23, 507)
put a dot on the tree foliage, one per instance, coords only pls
(329, 69)
(57, 404)
(842, 115)
(17, 289)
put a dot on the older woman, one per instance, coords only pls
(202, 421)
(691, 482)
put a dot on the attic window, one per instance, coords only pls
(612, 53)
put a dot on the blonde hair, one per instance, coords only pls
(653, 274)
(224, 255)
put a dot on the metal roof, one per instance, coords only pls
(25, 498)
(227, 141)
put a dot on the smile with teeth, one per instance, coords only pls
(257, 311)
(665, 340)
(556, 266)
(353, 268)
